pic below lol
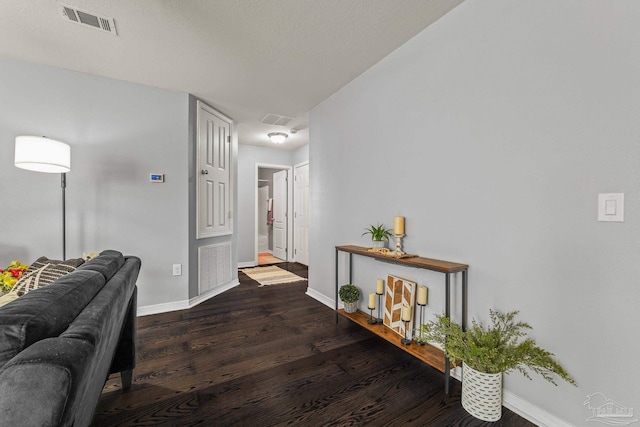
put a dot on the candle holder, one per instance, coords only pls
(371, 320)
(379, 318)
(406, 340)
(398, 252)
(419, 335)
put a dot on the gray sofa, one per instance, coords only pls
(59, 343)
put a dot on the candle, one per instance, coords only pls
(372, 301)
(422, 295)
(380, 287)
(406, 313)
(398, 225)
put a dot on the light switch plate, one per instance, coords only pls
(611, 207)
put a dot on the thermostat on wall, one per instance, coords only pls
(156, 177)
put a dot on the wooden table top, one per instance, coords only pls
(415, 261)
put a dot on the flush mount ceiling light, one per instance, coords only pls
(277, 137)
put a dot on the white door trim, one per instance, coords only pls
(289, 208)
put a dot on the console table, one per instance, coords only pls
(431, 355)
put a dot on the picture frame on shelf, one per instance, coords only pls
(399, 292)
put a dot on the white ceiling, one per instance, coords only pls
(246, 58)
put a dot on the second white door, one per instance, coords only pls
(280, 215)
(301, 216)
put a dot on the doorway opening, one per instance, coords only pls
(273, 204)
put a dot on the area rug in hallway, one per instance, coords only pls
(271, 275)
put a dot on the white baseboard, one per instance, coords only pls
(533, 413)
(213, 292)
(246, 264)
(163, 308)
(185, 304)
(321, 298)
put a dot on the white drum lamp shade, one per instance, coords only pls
(41, 154)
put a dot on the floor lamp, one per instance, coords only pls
(41, 154)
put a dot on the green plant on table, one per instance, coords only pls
(349, 293)
(501, 347)
(378, 232)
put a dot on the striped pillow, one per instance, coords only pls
(42, 276)
(43, 260)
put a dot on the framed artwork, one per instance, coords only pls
(398, 292)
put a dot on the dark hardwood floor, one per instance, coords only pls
(273, 356)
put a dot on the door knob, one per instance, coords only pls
(204, 172)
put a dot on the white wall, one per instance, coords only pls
(492, 132)
(119, 133)
(301, 155)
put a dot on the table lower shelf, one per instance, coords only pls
(429, 354)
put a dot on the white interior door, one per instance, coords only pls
(214, 174)
(280, 215)
(301, 214)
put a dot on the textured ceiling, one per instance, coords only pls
(246, 58)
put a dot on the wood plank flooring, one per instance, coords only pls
(273, 356)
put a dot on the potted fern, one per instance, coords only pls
(488, 352)
(349, 294)
(379, 235)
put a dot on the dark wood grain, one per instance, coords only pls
(273, 356)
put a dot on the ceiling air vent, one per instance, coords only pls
(88, 19)
(276, 119)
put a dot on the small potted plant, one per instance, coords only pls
(379, 235)
(487, 352)
(349, 294)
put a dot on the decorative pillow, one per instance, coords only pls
(7, 298)
(43, 260)
(42, 272)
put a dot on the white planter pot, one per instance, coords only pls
(482, 394)
(378, 243)
(350, 307)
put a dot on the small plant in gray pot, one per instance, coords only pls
(349, 294)
(379, 235)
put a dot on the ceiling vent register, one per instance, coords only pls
(88, 19)
(276, 119)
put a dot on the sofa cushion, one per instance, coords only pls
(107, 263)
(45, 312)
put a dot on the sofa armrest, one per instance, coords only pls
(124, 359)
(39, 385)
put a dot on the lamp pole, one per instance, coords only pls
(63, 185)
